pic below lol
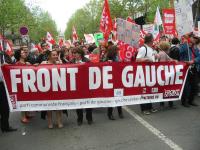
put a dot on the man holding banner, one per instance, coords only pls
(146, 54)
(4, 107)
(189, 53)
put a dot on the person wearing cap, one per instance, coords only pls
(190, 54)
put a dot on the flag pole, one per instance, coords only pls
(172, 3)
(188, 49)
(3, 50)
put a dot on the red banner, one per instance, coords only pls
(53, 87)
(169, 21)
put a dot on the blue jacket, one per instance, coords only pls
(184, 55)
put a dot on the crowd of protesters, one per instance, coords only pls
(186, 49)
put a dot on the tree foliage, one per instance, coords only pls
(87, 19)
(15, 13)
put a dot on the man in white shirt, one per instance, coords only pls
(147, 54)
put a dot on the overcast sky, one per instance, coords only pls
(60, 10)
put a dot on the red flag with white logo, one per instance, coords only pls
(8, 50)
(74, 34)
(38, 46)
(61, 42)
(50, 39)
(106, 21)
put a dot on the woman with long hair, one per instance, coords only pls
(53, 59)
(79, 57)
(112, 56)
(21, 56)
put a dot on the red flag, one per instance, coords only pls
(61, 42)
(74, 34)
(50, 39)
(142, 35)
(126, 53)
(106, 21)
(38, 47)
(9, 50)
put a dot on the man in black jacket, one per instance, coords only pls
(4, 107)
(174, 51)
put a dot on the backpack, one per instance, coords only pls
(135, 55)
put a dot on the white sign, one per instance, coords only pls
(89, 38)
(128, 32)
(25, 38)
(148, 28)
(184, 16)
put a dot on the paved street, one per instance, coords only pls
(170, 128)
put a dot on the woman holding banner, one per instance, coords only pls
(163, 56)
(53, 59)
(111, 55)
(79, 57)
(21, 56)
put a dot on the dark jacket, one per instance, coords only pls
(41, 58)
(174, 53)
(186, 55)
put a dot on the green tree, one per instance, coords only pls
(43, 24)
(12, 13)
(87, 19)
(15, 13)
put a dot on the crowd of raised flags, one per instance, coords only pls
(109, 35)
(108, 27)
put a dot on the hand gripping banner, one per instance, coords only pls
(57, 87)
